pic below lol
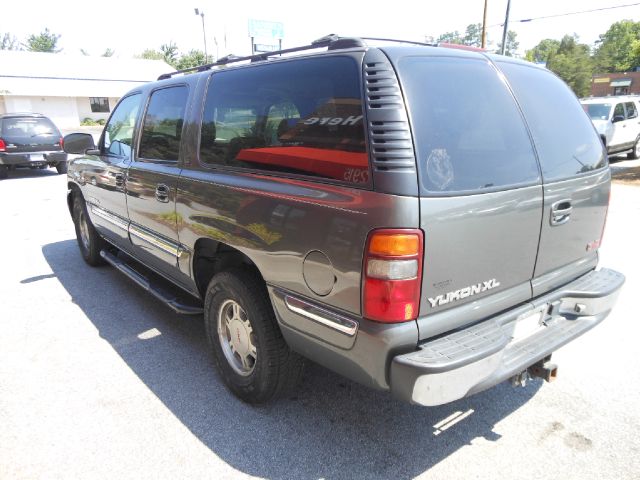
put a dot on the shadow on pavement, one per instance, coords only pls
(627, 172)
(22, 173)
(332, 428)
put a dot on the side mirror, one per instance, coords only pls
(617, 118)
(78, 143)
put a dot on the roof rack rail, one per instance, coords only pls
(395, 40)
(332, 42)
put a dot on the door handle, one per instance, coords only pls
(162, 193)
(119, 180)
(561, 212)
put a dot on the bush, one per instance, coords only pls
(88, 122)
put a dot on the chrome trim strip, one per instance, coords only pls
(324, 317)
(170, 248)
(109, 217)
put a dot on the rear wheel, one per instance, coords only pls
(89, 241)
(61, 168)
(251, 355)
(635, 153)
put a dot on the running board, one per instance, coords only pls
(175, 303)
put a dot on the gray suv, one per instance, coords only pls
(419, 219)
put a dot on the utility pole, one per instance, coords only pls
(484, 25)
(506, 27)
(204, 35)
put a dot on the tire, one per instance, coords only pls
(635, 153)
(4, 172)
(89, 241)
(61, 168)
(259, 366)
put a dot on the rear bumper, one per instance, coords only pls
(478, 357)
(32, 158)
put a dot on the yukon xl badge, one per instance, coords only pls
(465, 292)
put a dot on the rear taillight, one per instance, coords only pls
(392, 275)
(3, 146)
(61, 142)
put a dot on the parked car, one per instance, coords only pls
(420, 220)
(30, 140)
(616, 120)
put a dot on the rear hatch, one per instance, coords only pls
(23, 134)
(483, 200)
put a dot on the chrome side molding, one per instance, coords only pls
(329, 319)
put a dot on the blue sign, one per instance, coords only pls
(263, 29)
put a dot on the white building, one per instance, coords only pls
(70, 88)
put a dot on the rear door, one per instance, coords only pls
(23, 134)
(576, 179)
(152, 179)
(481, 193)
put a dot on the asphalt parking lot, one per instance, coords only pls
(99, 380)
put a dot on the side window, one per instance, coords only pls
(118, 134)
(299, 117)
(162, 124)
(564, 136)
(618, 111)
(632, 111)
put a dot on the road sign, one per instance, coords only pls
(263, 29)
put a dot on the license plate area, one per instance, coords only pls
(528, 324)
(36, 157)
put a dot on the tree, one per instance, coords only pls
(450, 37)
(614, 49)
(108, 53)
(511, 45)
(572, 62)
(541, 52)
(9, 42)
(194, 58)
(473, 35)
(43, 42)
(150, 54)
(170, 53)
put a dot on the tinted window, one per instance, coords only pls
(28, 127)
(162, 125)
(565, 139)
(299, 117)
(118, 134)
(468, 132)
(618, 111)
(632, 112)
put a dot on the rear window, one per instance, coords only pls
(469, 135)
(300, 117)
(28, 127)
(566, 141)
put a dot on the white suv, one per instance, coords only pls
(617, 121)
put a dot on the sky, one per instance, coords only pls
(131, 26)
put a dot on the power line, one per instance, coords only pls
(525, 20)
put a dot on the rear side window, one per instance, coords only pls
(300, 117)
(632, 112)
(468, 132)
(162, 125)
(28, 127)
(566, 141)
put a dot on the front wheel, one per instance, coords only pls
(251, 355)
(635, 153)
(89, 241)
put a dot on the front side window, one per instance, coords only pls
(618, 111)
(99, 104)
(162, 125)
(301, 117)
(118, 134)
(564, 137)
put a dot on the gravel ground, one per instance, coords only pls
(99, 380)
